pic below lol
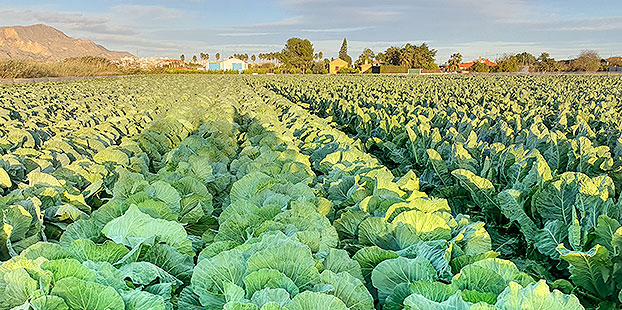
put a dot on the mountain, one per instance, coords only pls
(46, 43)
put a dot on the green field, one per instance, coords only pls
(310, 192)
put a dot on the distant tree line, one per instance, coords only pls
(299, 56)
(587, 61)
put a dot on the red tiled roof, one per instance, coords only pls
(610, 59)
(470, 64)
(467, 65)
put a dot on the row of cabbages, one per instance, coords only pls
(52, 125)
(44, 187)
(44, 212)
(396, 232)
(539, 166)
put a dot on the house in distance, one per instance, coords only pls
(228, 64)
(337, 64)
(468, 65)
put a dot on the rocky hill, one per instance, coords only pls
(47, 43)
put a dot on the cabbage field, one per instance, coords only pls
(312, 193)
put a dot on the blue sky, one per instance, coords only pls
(487, 28)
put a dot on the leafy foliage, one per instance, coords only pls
(233, 197)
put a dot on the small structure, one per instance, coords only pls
(337, 64)
(468, 65)
(614, 64)
(213, 66)
(232, 63)
(614, 61)
(366, 66)
(228, 64)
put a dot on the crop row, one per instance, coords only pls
(537, 158)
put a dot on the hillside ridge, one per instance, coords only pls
(43, 42)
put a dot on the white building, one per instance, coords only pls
(227, 64)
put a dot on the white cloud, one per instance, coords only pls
(148, 14)
(339, 30)
(246, 34)
(287, 22)
(589, 24)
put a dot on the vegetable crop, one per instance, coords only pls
(538, 159)
(228, 192)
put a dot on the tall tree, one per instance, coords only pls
(253, 58)
(343, 52)
(217, 56)
(297, 54)
(320, 55)
(182, 57)
(454, 61)
(367, 56)
(588, 61)
(508, 63)
(392, 56)
(546, 63)
(526, 59)
(421, 56)
(194, 58)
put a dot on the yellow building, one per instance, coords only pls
(337, 64)
(365, 67)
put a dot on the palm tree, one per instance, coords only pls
(194, 58)
(182, 57)
(217, 56)
(454, 61)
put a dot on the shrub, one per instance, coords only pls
(255, 70)
(480, 67)
(347, 70)
(79, 66)
(393, 69)
(588, 61)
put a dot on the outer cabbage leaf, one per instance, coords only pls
(349, 289)
(392, 272)
(536, 296)
(135, 227)
(84, 295)
(419, 302)
(590, 270)
(316, 301)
